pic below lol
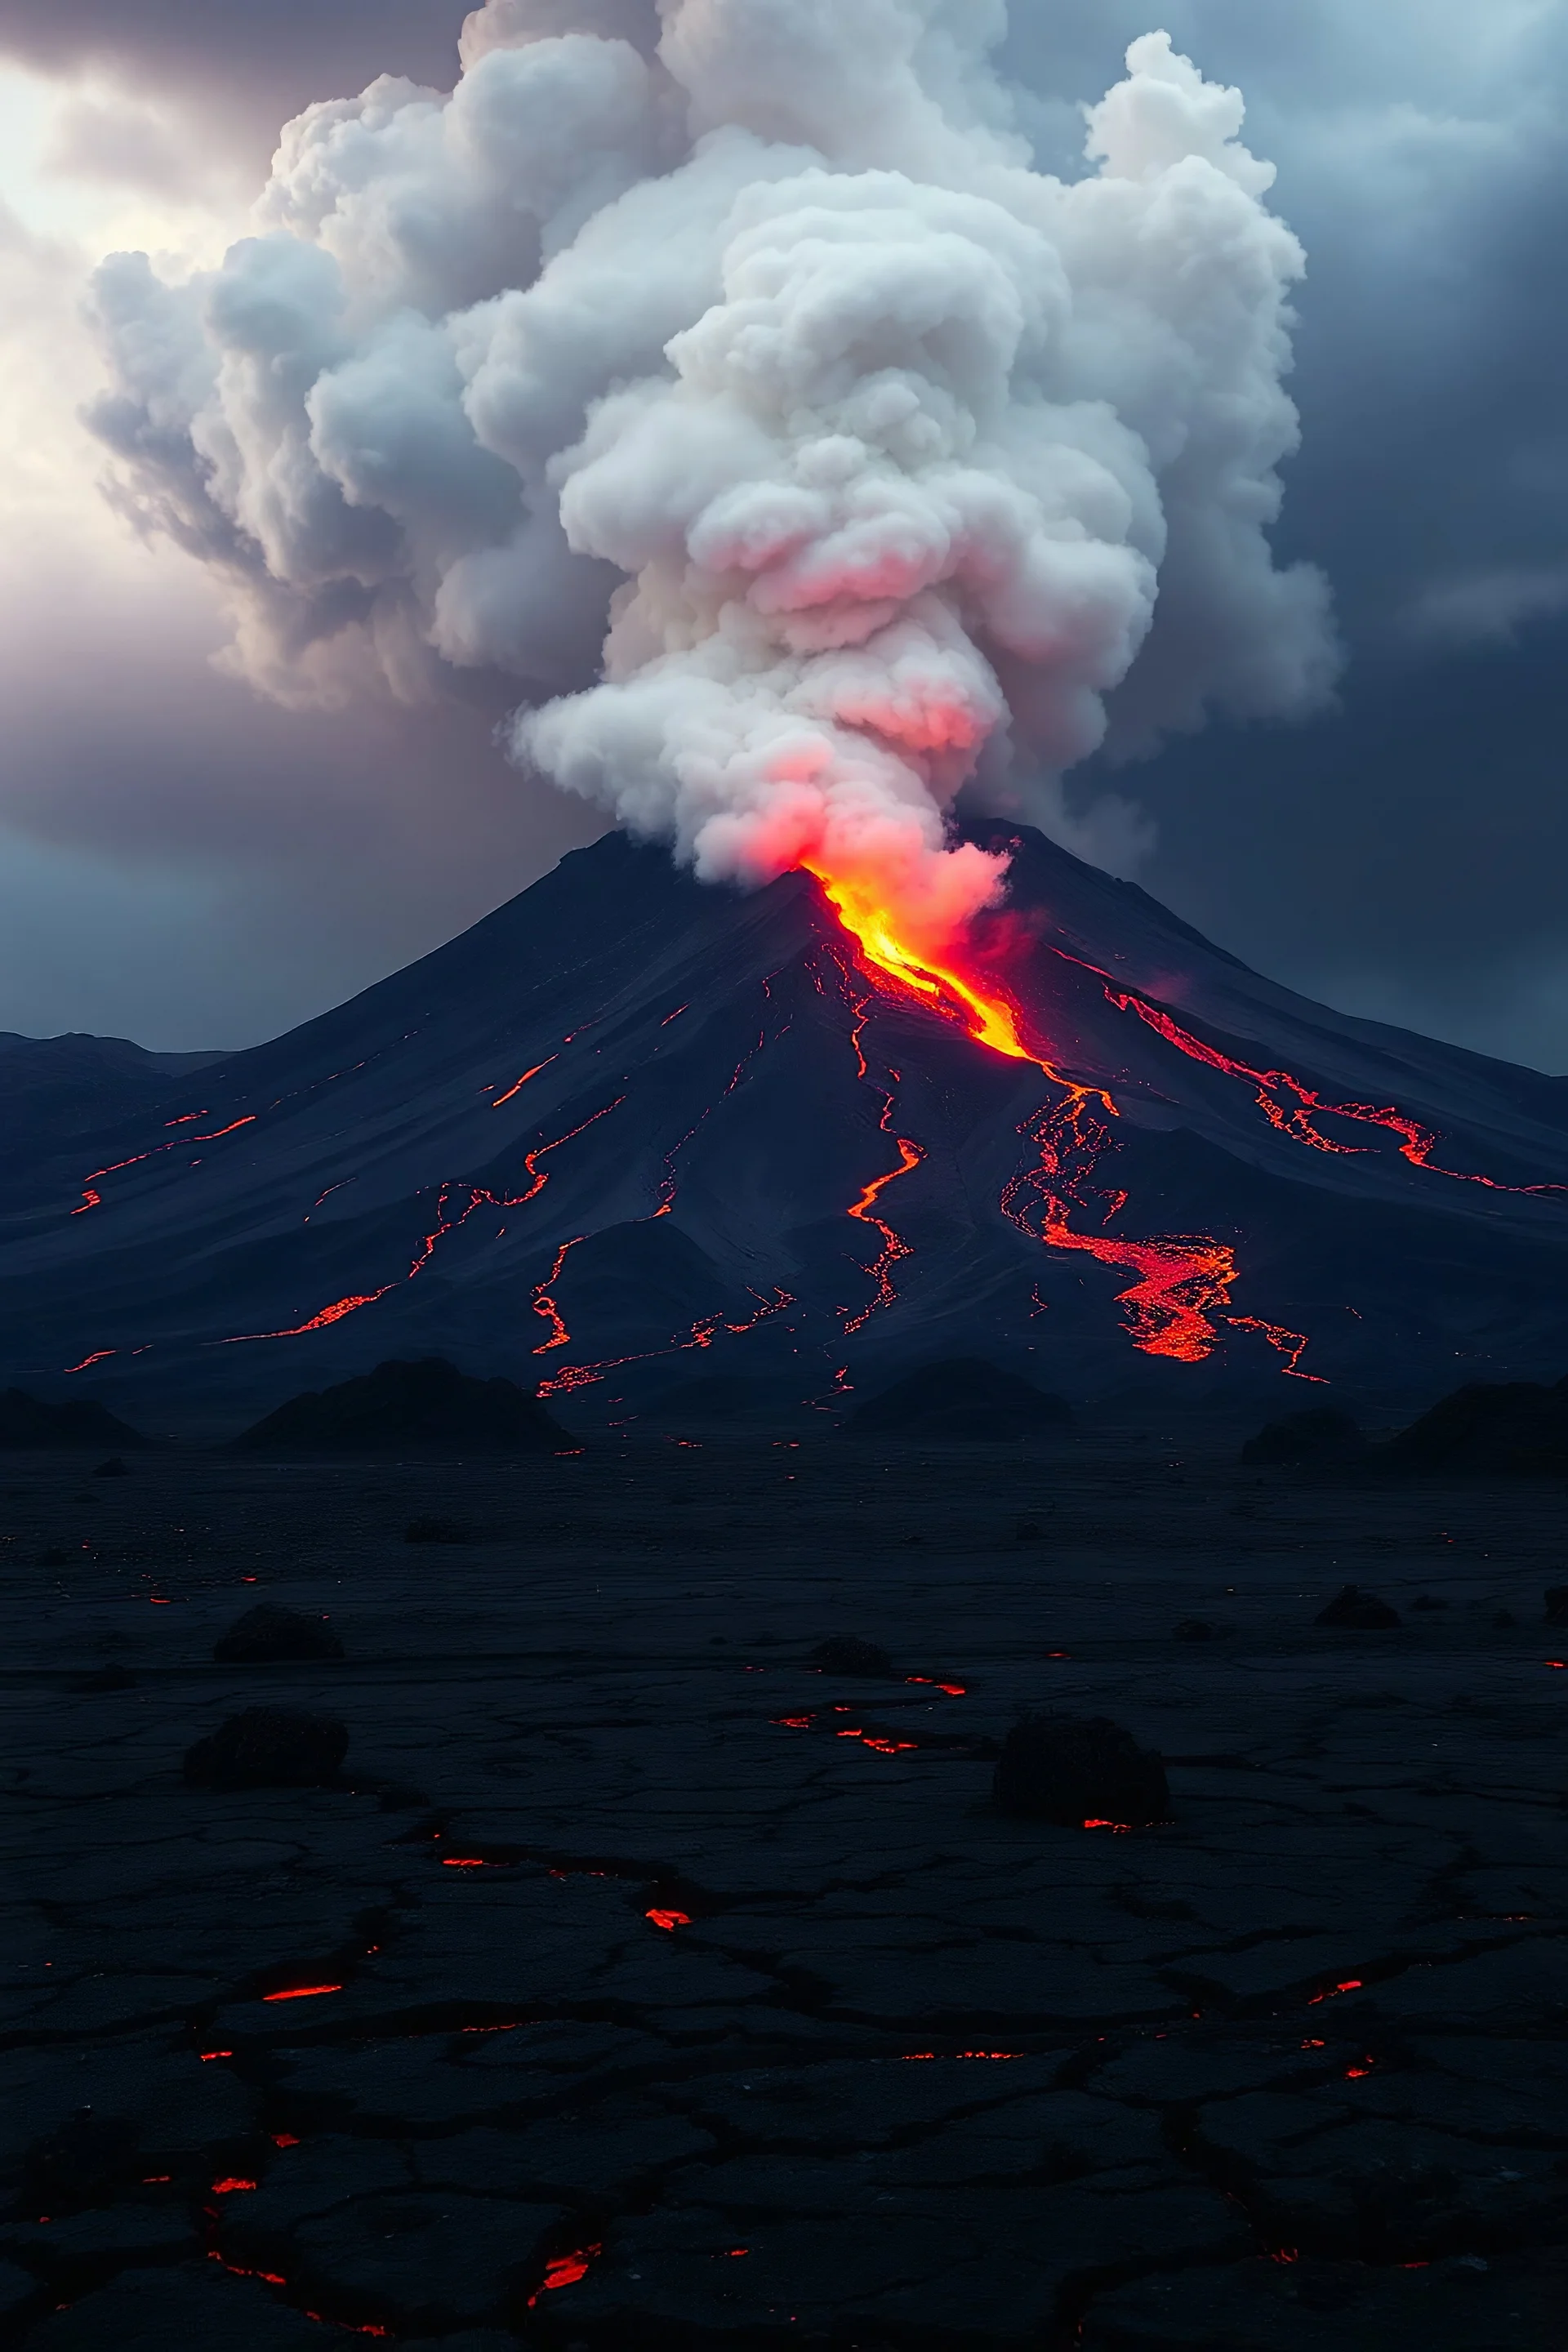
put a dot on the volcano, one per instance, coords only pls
(633, 1128)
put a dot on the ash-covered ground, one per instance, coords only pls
(649, 1988)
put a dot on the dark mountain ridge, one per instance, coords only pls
(632, 1127)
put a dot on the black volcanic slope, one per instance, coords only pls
(631, 1124)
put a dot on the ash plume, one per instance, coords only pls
(721, 375)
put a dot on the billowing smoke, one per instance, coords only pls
(720, 374)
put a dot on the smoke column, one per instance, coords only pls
(720, 374)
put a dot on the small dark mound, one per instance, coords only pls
(1322, 1435)
(28, 1421)
(964, 1399)
(428, 1407)
(1194, 1629)
(1358, 1611)
(267, 1636)
(1515, 1429)
(1075, 1769)
(436, 1531)
(113, 1468)
(270, 1748)
(106, 1678)
(844, 1654)
(1501, 1618)
(1557, 1604)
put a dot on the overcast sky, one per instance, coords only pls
(185, 861)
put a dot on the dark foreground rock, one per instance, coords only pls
(267, 1636)
(964, 1399)
(32, 1421)
(428, 1407)
(1516, 1429)
(1080, 1768)
(1322, 1437)
(844, 1653)
(1356, 1611)
(270, 1748)
(1467, 2304)
(689, 2000)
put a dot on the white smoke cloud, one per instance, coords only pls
(729, 353)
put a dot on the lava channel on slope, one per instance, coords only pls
(1182, 1282)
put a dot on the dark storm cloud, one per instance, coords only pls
(1405, 855)
(1401, 855)
(242, 66)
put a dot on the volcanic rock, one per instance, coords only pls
(1557, 1604)
(111, 1677)
(1512, 1429)
(1358, 1611)
(409, 1408)
(1075, 1769)
(1194, 1629)
(30, 1420)
(1322, 1436)
(82, 2161)
(844, 1654)
(415, 1224)
(270, 1748)
(113, 1468)
(962, 1398)
(267, 1634)
(427, 1531)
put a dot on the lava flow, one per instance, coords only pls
(911, 1155)
(1181, 1280)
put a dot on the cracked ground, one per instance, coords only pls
(643, 1987)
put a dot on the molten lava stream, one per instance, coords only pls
(911, 1156)
(1183, 1280)
(1294, 1117)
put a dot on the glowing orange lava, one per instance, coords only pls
(1181, 1280)
(565, 2270)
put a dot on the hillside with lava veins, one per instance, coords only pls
(631, 1128)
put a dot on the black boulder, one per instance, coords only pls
(1078, 1771)
(1358, 1611)
(270, 1748)
(268, 1636)
(844, 1653)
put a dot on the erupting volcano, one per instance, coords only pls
(632, 1119)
